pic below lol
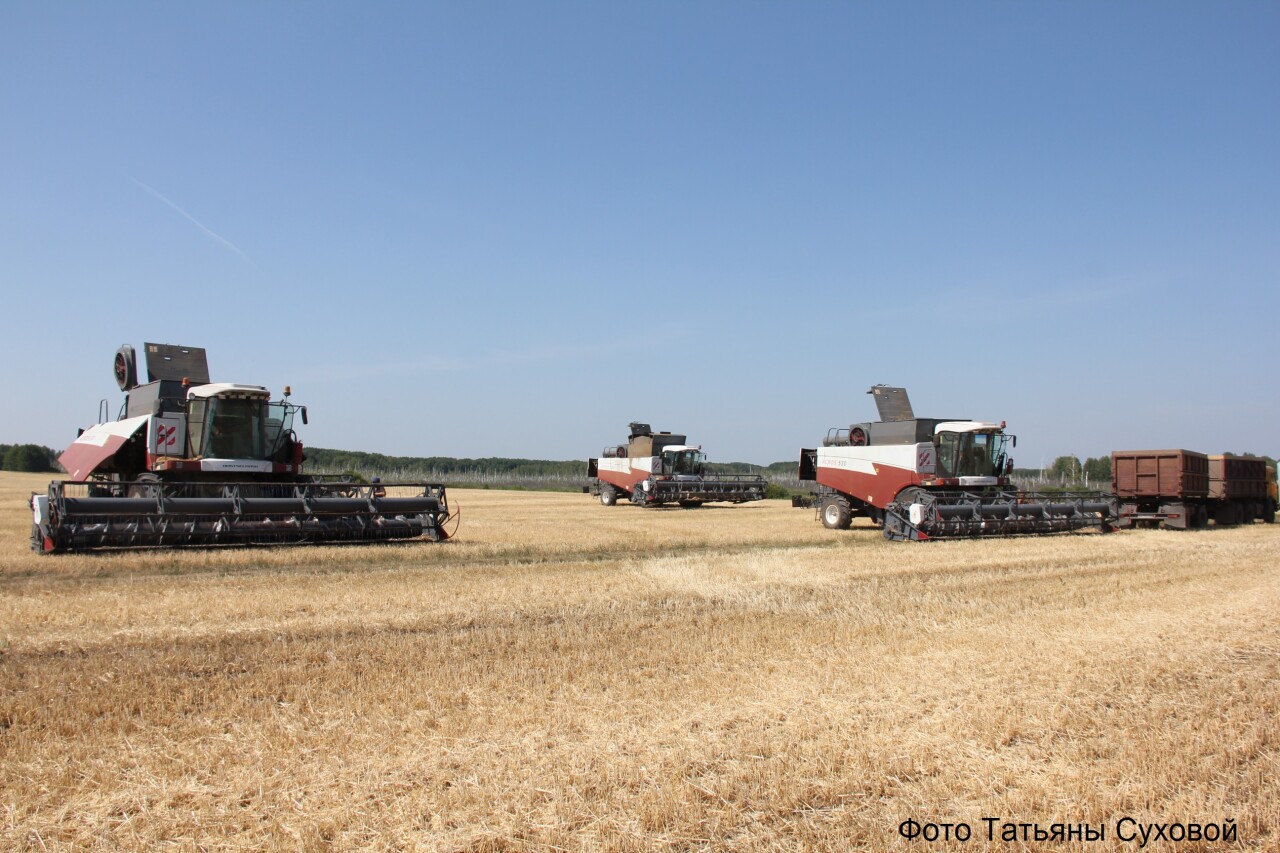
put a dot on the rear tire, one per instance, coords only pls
(837, 514)
(608, 495)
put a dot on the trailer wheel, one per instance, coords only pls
(837, 514)
(1227, 514)
(608, 495)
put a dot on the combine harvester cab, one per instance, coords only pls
(190, 462)
(653, 469)
(936, 478)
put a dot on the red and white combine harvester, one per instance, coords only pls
(935, 478)
(655, 468)
(194, 462)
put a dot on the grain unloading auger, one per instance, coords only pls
(931, 478)
(195, 463)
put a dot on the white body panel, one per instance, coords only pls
(228, 389)
(167, 435)
(965, 426)
(100, 434)
(644, 464)
(864, 460)
(40, 508)
(241, 465)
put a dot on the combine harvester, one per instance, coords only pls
(190, 462)
(930, 478)
(653, 469)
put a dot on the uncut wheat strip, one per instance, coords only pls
(116, 612)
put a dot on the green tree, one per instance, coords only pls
(773, 490)
(1066, 469)
(26, 457)
(1098, 470)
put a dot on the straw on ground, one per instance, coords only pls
(565, 675)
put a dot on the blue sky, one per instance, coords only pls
(507, 229)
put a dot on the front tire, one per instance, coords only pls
(145, 486)
(837, 513)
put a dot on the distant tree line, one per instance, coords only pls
(491, 471)
(495, 472)
(1067, 471)
(27, 457)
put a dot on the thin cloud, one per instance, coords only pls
(196, 222)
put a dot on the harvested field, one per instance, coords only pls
(569, 676)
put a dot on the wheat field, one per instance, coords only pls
(565, 676)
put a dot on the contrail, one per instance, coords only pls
(223, 240)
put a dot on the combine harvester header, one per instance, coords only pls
(194, 462)
(935, 478)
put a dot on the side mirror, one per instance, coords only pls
(1015, 441)
(304, 414)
